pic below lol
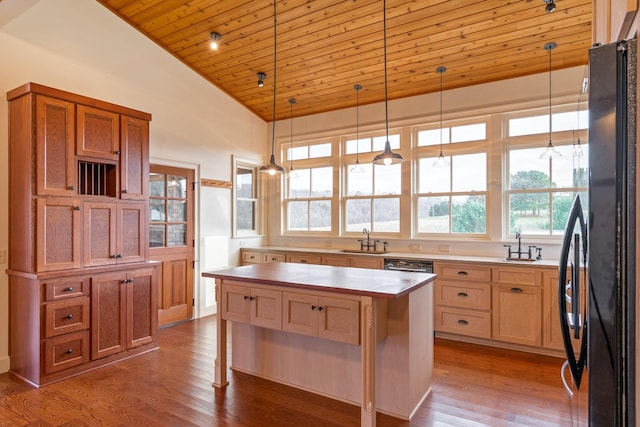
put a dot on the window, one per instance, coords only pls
(168, 209)
(452, 199)
(246, 203)
(309, 199)
(540, 192)
(372, 197)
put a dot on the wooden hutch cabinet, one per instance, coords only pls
(82, 290)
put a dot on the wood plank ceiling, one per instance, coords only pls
(324, 47)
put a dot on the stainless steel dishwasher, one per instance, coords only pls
(416, 265)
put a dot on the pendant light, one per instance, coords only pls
(387, 157)
(550, 151)
(442, 161)
(273, 168)
(357, 168)
(292, 173)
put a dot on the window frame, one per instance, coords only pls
(238, 163)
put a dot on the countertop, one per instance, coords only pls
(346, 280)
(408, 255)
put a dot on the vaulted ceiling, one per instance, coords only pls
(325, 47)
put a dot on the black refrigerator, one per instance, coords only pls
(599, 251)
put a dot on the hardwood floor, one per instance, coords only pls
(472, 386)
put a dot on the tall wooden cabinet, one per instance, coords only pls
(82, 290)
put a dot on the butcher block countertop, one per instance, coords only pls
(346, 280)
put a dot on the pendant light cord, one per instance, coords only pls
(441, 73)
(550, 94)
(386, 107)
(357, 88)
(273, 124)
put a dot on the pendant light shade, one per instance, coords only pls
(272, 168)
(442, 162)
(387, 157)
(550, 151)
(357, 168)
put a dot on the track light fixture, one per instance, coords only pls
(551, 6)
(387, 157)
(261, 77)
(215, 38)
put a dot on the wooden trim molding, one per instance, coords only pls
(204, 182)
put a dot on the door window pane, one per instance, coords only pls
(177, 186)
(157, 209)
(177, 235)
(157, 184)
(177, 210)
(245, 214)
(156, 235)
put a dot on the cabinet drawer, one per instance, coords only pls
(464, 295)
(252, 257)
(464, 272)
(69, 315)
(67, 288)
(304, 259)
(517, 276)
(464, 322)
(66, 351)
(273, 258)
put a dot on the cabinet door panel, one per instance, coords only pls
(55, 171)
(58, 234)
(517, 314)
(108, 314)
(99, 233)
(142, 307)
(235, 304)
(266, 308)
(97, 133)
(132, 234)
(134, 169)
(339, 319)
(300, 313)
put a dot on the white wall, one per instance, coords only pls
(81, 47)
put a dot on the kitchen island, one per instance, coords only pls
(357, 335)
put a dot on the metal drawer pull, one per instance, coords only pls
(69, 316)
(69, 289)
(320, 308)
(463, 294)
(313, 307)
(462, 273)
(250, 298)
(69, 351)
(516, 290)
(462, 322)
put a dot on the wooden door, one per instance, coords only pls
(299, 313)
(59, 230)
(266, 308)
(171, 202)
(97, 133)
(339, 319)
(108, 314)
(55, 126)
(142, 308)
(134, 169)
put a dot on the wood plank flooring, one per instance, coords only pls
(472, 386)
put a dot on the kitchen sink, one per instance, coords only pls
(363, 251)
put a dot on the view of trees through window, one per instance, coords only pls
(450, 198)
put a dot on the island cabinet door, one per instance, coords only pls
(300, 313)
(235, 304)
(339, 319)
(266, 308)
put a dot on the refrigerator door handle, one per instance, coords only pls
(572, 319)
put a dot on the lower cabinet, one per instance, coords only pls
(308, 313)
(65, 325)
(517, 314)
(332, 318)
(123, 311)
